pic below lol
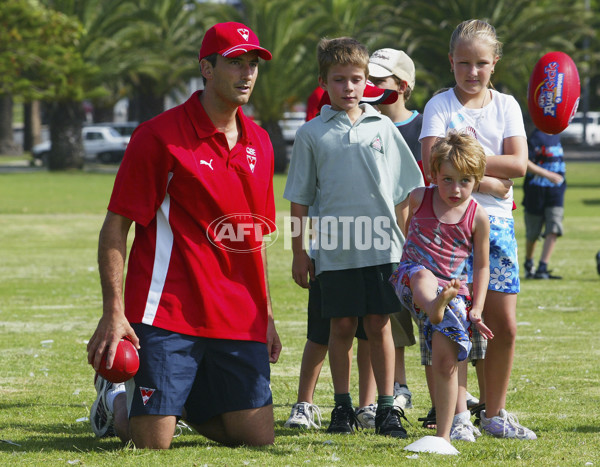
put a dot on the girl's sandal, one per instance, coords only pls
(430, 420)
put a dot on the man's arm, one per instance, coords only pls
(273, 342)
(113, 326)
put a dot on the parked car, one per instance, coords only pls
(290, 123)
(124, 128)
(100, 143)
(573, 134)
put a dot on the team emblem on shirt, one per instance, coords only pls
(146, 394)
(251, 158)
(377, 144)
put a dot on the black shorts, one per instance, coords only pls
(318, 327)
(358, 292)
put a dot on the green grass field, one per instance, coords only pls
(50, 303)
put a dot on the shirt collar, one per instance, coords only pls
(203, 124)
(327, 113)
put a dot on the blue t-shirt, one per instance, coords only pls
(546, 151)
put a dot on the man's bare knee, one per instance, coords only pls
(152, 431)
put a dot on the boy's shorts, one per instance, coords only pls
(402, 328)
(318, 327)
(358, 292)
(551, 220)
(207, 377)
(479, 346)
(504, 263)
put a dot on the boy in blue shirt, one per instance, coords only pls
(544, 194)
(354, 162)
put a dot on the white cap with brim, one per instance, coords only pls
(392, 62)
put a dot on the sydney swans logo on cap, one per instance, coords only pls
(244, 33)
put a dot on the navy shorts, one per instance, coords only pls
(207, 377)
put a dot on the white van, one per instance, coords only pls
(574, 132)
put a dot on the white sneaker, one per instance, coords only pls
(366, 416)
(505, 425)
(303, 416)
(402, 397)
(463, 429)
(472, 401)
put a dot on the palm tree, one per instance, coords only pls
(159, 47)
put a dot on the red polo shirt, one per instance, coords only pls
(195, 265)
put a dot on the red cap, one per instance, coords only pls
(372, 95)
(230, 40)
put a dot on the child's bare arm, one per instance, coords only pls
(426, 145)
(511, 164)
(302, 266)
(481, 269)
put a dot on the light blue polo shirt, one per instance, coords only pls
(360, 173)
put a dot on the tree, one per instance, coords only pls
(159, 49)
(78, 76)
(33, 42)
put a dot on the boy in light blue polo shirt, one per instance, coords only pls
(363, 171)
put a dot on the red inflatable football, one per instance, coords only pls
(125, 365)
(553, 92)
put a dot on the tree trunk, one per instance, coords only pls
(32, 125)
(103, 113)
(7, 142)
(66, 120)
(145, 104)
(279, 147)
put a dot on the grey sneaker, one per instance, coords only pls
(463, 429)
(303, 416)
(505, 425)
(402, 397)
(366, 416)
(101, 418)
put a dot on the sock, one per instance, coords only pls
(403, 385)
(528, 263)
(384, 403)
(344, 400)
(110, 395)
(542, 267)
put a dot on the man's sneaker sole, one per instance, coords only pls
(102, 428)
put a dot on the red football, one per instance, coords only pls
(125, 365)
(553, 92)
